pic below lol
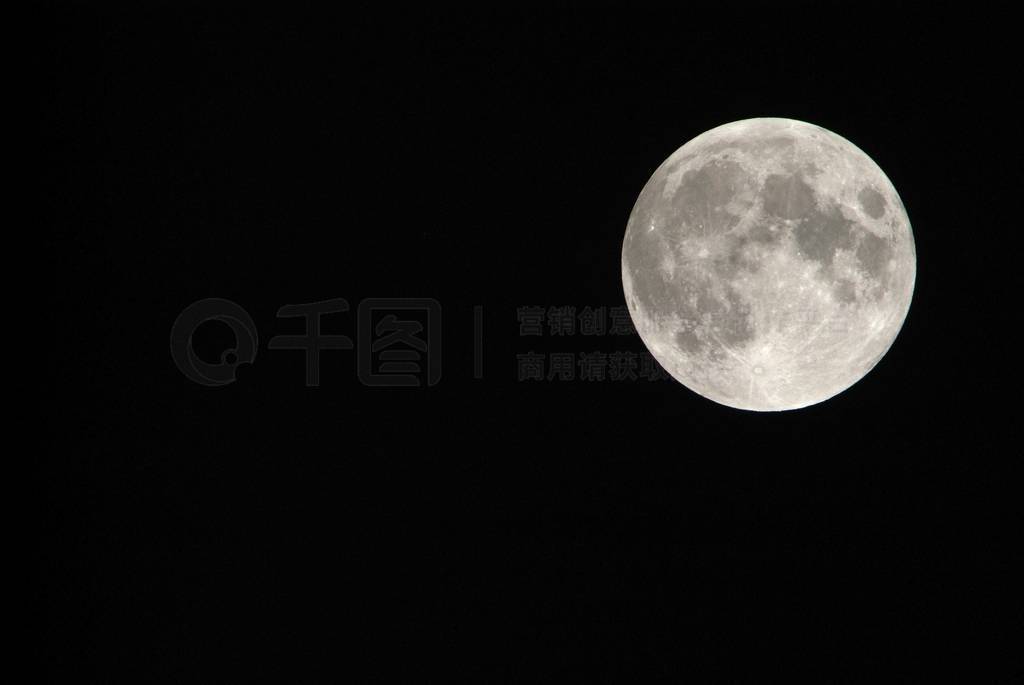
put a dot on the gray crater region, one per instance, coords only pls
(768, 264)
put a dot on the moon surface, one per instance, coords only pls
(768, 264)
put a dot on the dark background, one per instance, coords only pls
(504, 530)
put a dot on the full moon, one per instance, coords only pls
(768, 264)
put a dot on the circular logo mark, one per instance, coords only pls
(185, 357)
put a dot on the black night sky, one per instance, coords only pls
(479, 166)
